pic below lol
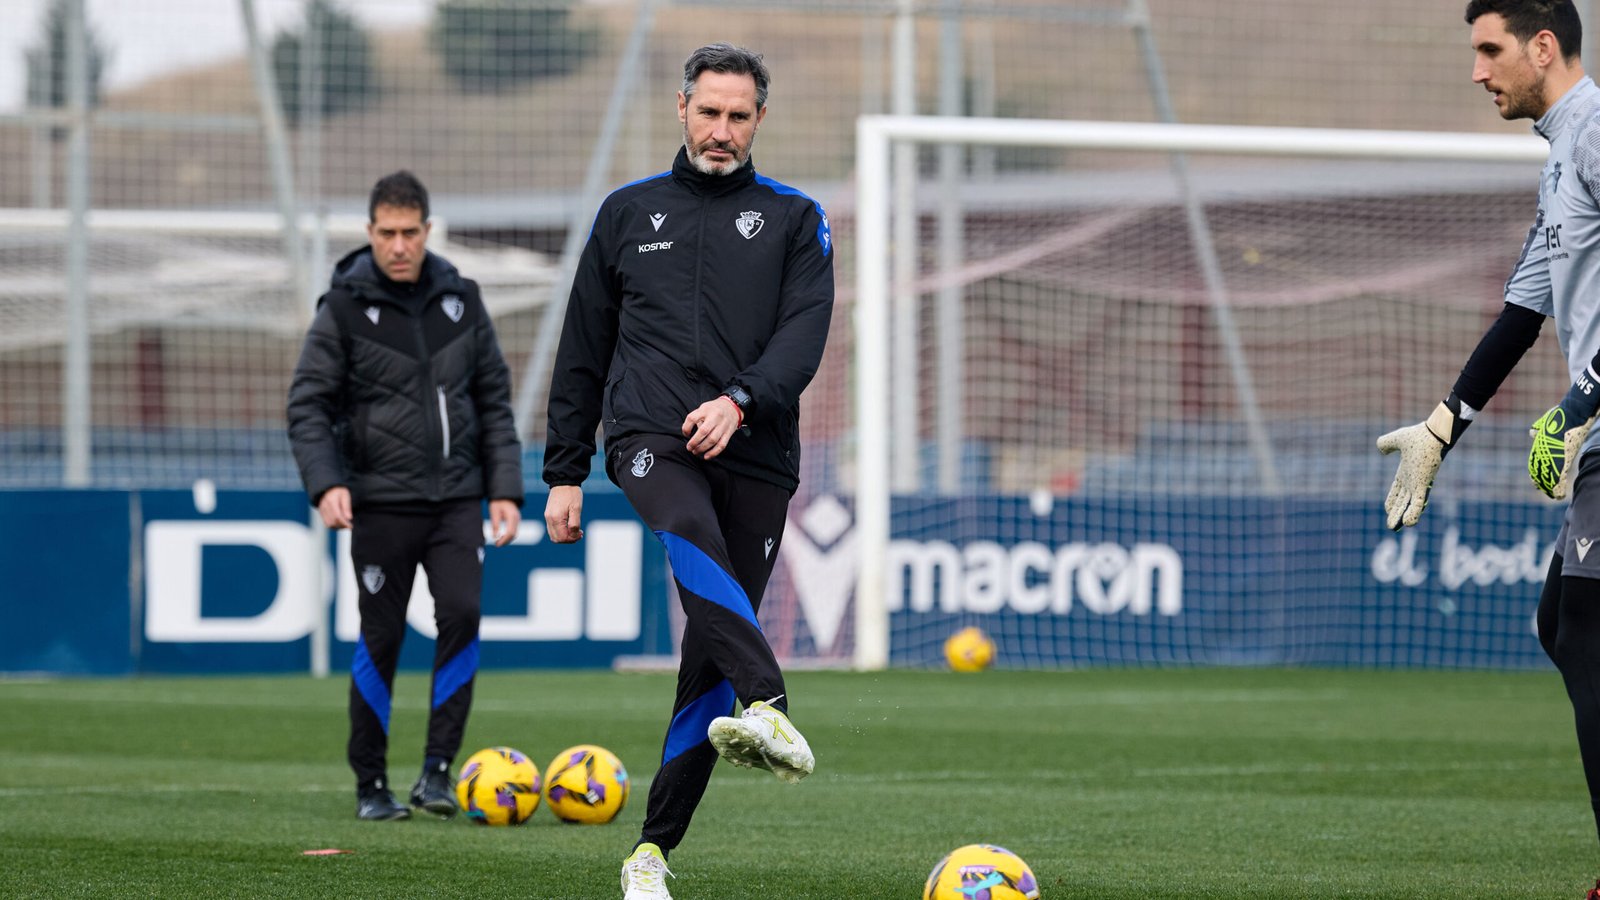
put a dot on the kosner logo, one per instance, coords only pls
(976, 577)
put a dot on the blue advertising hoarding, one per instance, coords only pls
(112, 582)
(1235, 581)
(64, 599)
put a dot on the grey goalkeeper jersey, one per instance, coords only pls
(1558, 273)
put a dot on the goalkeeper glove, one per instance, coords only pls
(1558, 436)
(1422, 448)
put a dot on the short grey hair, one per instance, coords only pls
(729, 60)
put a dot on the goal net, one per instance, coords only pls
(1114, 390)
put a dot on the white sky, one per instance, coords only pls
(152, 37)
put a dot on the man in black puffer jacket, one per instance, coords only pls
(400, 418)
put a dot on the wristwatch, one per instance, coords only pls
(739, 396)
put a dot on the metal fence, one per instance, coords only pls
(519, 115)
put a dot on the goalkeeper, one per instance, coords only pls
(1527, 57)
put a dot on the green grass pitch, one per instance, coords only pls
(1209, 783)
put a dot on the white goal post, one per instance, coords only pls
(879, 199)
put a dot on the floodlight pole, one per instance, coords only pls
(588, 199)
(949, 334)
(312, 91)
(905, 336)
(1205, 248)
(41, 140)
(1585, 7)
(75, 385)
(273, 130)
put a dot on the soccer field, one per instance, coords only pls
(1111, 784)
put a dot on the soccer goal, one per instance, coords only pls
(1115, 387)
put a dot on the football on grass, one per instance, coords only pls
(981, 872)
(586, 785)
(498, 786)
(969, 650)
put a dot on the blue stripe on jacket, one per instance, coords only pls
(824, 233)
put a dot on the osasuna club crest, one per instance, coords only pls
(642, 461)
(453, 307)
(372, 578)
(749, 223)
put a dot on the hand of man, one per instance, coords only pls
(563, 513)
(335, 507)
(711, 425)
(1422, 448)
(504, 517)
(1558, 437)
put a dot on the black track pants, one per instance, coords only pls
(722, 532)
(1569, 617)
(1569, 629)
(386, 547)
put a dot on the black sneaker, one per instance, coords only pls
(434, 792)
(376, 804)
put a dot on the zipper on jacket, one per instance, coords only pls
(444, 424)
(424, 359)
(699, 269)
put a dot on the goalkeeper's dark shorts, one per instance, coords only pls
(722, 532)
(1578, 544)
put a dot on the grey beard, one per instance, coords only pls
(706, 168)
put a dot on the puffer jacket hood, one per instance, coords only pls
(358, 273)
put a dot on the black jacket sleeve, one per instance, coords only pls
(805, 308)
(1497, 353)
(498, 445)
(583, 359)
(315, 395)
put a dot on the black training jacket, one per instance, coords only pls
(690, 284)
(401, 393)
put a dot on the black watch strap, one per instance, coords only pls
(739, 396)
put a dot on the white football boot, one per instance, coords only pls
(763, 738)
(641, 874)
